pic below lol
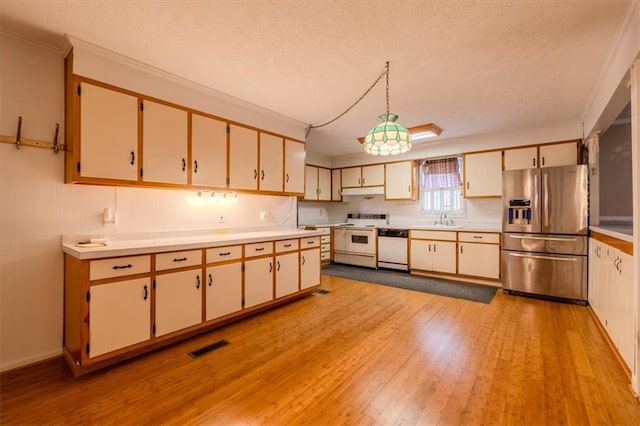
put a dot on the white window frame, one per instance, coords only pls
(453, 208)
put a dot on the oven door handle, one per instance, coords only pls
(539, 257)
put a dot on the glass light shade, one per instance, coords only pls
(388, 137)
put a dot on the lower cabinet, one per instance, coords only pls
(286, 274)
(223, 290)
(433, 256)
(120, 315)
(178, 301)
(258, 281)
(309, 268)
(479, 260)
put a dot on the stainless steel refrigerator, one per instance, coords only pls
(545, 224)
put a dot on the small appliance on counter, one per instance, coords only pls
(545, 225)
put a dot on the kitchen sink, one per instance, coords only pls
(443, 226)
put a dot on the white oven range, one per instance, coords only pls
(355, 241)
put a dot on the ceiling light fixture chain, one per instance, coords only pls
(385, 71)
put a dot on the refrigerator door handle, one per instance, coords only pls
(536, 256)
(524, 237)
(545, 190)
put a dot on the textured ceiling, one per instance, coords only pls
(468, 66)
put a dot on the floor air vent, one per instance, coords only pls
(209, 348)
(322, 291)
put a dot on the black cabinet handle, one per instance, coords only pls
(278, 263)
(287, 245)
(303, 260)
(181, 259)
(226, 253)
(262, 175)
(286, 177)
(210, 280)
(310, 242)
(198, 281)
(543, 161)
(146, 292)
(434, 248)
(467, 185)
(479, 237)
(133, 158)
(255, 173)
(534, 162)
(259, 248)
(270, 266)
(116, 267)
(429, 247)
(461, 250)
(184, 165)
(195, 166)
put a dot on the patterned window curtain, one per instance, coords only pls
(441, 173)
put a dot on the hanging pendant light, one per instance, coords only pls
(388, 137)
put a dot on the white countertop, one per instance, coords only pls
(127, 247)
(622, 232)
(470, 227)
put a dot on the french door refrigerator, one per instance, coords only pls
(545, 225)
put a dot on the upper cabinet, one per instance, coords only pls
(294, 156)
(399, 181)
(109, 133)
(208, 151)
(164, 141)
(550, 155)
(271, 163)
(243, 158)
(483, 174)
(336, 185)
(363, 176)
(317, 183)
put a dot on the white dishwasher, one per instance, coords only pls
(393, 248)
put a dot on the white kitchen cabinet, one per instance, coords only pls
(164, 141)
(178, 301)
(399, 181)
(336, 185)
(108, 134)
(294, 156)
(208, 151)
(561, 154)
(120, 315)
(363, 176)
(483, 174)
(479, 260)
(433, 256)
(243, 158)
(521, 158)
(271, 163)
(258, 281)
(223, 290)
(286, 274)
(309, 267)
(596, 280)
(317, 183)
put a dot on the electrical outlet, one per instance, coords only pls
(221, 219)
(264, 215)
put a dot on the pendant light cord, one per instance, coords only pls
(384, 72)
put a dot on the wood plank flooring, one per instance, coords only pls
(361, 354)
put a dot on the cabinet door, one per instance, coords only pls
(294, 156)
(399, 181)
(119, 315)
(286, 274)
(625, 295)
(223, 290)
(351, 177)
(310, 183)
(309, 268)
(336, 185)
(208, 151)
(324, 184)
(521, 158)
(594, 284)
(373, 175)
(479, 260)
(243, 158)
(483, 174)
(164, 139)
(562, 154)
(178, 301)
(421, 256)
(444, 256)
(258, 281)
(108, 133)
(271, 163)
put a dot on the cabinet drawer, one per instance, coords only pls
(325, 247)
(325, 255)
(258, 249)
(221, 254)
(325, 239)
(178, 259)
(325, 231)
(479, 237)
(309, 242)
(119, 267)
(286, 245)
(432, 235)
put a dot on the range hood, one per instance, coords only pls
(366, 190)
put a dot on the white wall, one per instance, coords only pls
(36, 207)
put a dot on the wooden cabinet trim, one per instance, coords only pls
(622, 245)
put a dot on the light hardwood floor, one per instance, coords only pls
(362, 354)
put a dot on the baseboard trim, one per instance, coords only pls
(30, 362)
